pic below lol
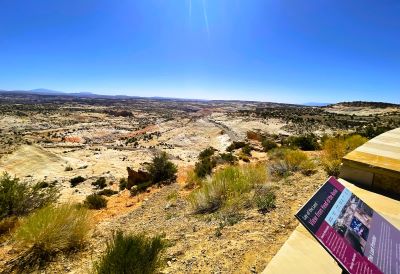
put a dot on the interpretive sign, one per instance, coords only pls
(357, 237)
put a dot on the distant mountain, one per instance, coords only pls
(316, 104)
(45, 91)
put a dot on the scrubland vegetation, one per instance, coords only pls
(227, 188)
(53, 229)
(258, 181)
(133, 254)
(95, 201)
(335, 148)
(161, 169)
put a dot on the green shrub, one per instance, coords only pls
(228, 158)
(140, 187)
(100, 183)
(332, 167)
(204, 167)
(334, 149)
(76, 180)
(133, 254)
(295, 159)
(235, 145)
(244, 157)
(265, 199)
(308, 167)
(279, 169)
(284, 161)
(95, 201)
(226, 186)
(303, 142)
(123, 183)
(107, 192)
(278, 153)
(53, 229)
(268, 145)
(246, 150)
(161, 169)
(41, 184)
(17, 198)
(207, 153)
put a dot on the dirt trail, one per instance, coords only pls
(232, 135)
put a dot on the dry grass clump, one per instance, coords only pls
(285, 161)
(192, 180)
(334, 149)
(133, 254)
(53, 229)
(227, 187)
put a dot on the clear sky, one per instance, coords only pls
(281, 50)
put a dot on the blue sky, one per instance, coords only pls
(283, 50)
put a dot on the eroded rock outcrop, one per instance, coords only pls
(136, 177)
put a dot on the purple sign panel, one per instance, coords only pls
(357, 237)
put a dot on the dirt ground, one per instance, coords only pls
(194, 246)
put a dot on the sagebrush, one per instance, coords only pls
(131, 254)
(18, 198)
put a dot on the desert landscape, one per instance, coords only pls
(82, 146)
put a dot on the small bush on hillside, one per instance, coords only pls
(334, 149)
(268, 145)
(107, 192)
(140, 188)
(43, 184)
(133, 254)
(207, 153)
(303, 142)
(284, 161)
(95, 201)
(279, 169)
(161, 169)
(68, 168)
(235, 145)
(204, 167)
(264, 199)
(295, 159)
(308, 167)
(354, 141)
(278, 153)
(332, 167)
(246, 150)
(225, 186)
(123, 183)
(17, 198)
(244, 158)
(192, 180)
(76, 181)
(227, 158)
(53, 229)
(100, 183)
